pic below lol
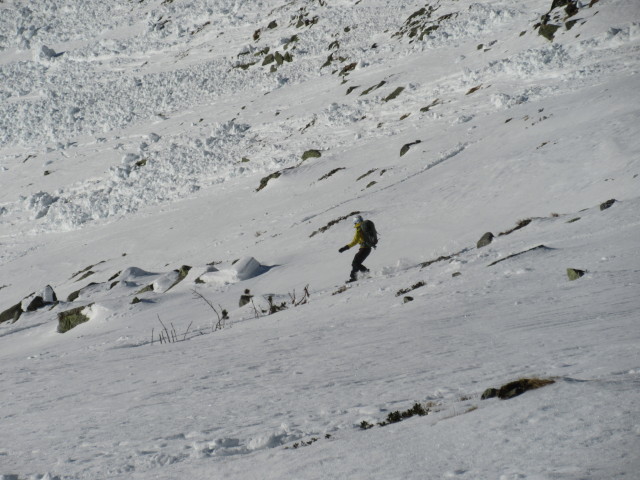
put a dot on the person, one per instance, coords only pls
(363, 251)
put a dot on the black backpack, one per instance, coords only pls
(369, 233)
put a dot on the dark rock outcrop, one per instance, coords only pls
(607, 204)
(485, 240)
(574, 273)
(513, 389)
(71, 319)
(12, 313)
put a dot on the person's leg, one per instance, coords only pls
(356, 265)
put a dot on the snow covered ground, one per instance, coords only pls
(140, 137)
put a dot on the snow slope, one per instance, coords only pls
(134, 139)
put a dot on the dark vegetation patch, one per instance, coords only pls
(393, 95)
(441, 258)
(366, 174)
(394, 417)
(85, 270)
(311, 154)
(348, 69)
(86, 274)
(518, 387)
(309, 125)
(411, 288)
(341, 289)
(539, 247)
(333, 222)
(431, 105)
(265, 180)
(474, 89)
(332, 172)
(520, 224)
(374, 87)
(74, 295)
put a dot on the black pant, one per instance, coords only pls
(356, 265)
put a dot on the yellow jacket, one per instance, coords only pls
(358, 238)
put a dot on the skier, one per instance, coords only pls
(360, 238)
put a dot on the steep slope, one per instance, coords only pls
(142, 137)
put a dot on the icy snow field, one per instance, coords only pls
(133, 139)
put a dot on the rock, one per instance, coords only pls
(486, 239)
(513, 389)
(11, 313)
(348, 69)
(148, 288)
(265, 180)
(548, 31)
(607, 204)
(35, 304)
(182, 274)
(539, 248)
(247, 267)
(48, 53)
(408, 299)
(311, 154)
(489, 393)
(574, 273)
(48, 295)
(393, 94)
(456, 274)
(74, 295)
(71, 319)
(268, 59)
(405, 148)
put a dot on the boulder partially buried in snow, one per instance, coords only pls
(12, 313)
(167, 281)
(247, 267)
(72, 318)
(131, 274)
(486, 239)
(243, 269)
(34, 302)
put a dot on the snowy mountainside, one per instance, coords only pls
(157, 155)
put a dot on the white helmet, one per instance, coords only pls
(357, 219)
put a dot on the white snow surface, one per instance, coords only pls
(134, 139)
